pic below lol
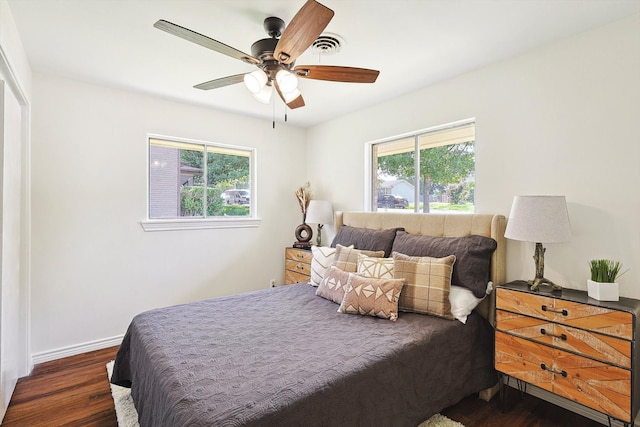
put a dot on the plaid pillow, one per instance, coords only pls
(347, 257)
(428, 284)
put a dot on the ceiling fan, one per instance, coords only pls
(275, 56)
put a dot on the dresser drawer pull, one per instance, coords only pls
(563, 337)
(563, 312)
(545, 368)
(299, 267)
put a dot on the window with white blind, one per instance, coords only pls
(431, 170)
(196, 184)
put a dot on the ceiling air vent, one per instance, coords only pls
(327, 44)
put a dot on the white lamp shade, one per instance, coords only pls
(264, 95)
(540, 219)
(255, 81)
(287, 82)
(319, 212)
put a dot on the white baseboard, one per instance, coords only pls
(75, 349)
(564, 403)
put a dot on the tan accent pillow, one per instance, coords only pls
(372, 297)
(323, 257)
(428, 284)
(347, 257)
(377, 268)
(333, 285)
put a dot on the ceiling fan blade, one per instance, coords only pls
(205, 41)
(221, 82)
(336, 73)
(304, 29)
(296, 103)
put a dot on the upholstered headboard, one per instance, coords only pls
(440, 225)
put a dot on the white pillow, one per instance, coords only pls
(377, 268)
(463, 301)
(322, 258)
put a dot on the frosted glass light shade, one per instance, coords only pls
(540, 219)
(264, 95)
(255, 81)
(319, 212)
(286, 81)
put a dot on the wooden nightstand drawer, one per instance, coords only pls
(300, 255)
(589, 382)
(599, 319)
(297, 265)
(571, 345)
(598, 346)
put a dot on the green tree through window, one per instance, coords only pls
(446, 166)
(179, 178)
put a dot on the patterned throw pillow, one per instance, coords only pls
(347, 257)
(428, 284)
(372, 297)
(322, 258)
(333, 285)
(377, 268)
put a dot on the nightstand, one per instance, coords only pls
(297, 265)
(571, 345)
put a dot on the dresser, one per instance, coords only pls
(297, 265)
(571, 345)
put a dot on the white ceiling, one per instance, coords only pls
(413, 43)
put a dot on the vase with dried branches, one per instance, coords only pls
(303, 231)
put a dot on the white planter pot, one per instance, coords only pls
(603, 291)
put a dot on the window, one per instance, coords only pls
(199, 182)
(437, 162)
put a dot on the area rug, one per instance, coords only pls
(128, 417)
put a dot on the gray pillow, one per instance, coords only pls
(473, 256)
(366, 238)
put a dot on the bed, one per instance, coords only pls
(286, 356)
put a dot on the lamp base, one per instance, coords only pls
(538, 258)
(538, 281)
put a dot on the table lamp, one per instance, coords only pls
(539, 219)
(319, 212)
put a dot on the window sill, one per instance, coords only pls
(197, 224)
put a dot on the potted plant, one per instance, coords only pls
(602, 285)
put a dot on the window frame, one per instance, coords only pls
(198, 223)
(371, 174)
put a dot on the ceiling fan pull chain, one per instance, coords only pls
(273, 113)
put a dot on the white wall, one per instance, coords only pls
(559, 120)
(94, 267)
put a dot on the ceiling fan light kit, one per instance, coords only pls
(275, 56)
(287, 81)
(264, 95)
(255, 81)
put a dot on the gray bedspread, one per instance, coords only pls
(285, 357)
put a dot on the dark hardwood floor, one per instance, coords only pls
(74, 392)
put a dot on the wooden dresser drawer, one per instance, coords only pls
(592, 383)
(571, 345)
(297, 265)
(603, 347)
(599, 319)
(301, 255)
